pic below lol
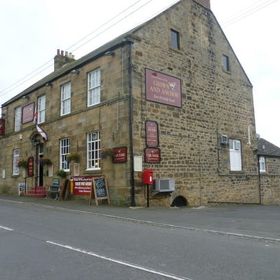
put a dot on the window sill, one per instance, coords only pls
(179, 51)
(93, 171)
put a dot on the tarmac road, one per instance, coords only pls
(46, 239)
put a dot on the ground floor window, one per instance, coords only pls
(64, 151)
(262, 164)
(93, 150)
(16, 154)
(235, 155)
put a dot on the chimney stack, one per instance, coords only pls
(205, 3)
(62, 59)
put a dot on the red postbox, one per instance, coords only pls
(147, 176)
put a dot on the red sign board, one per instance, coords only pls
(152, 155)
(152, 134)
(2, 127)
(120, 155)
(163, 88)
(82, 185)
(30, 167)
(28, 113)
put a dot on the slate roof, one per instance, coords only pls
(119, 41)
(266, 148)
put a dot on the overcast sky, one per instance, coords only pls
(32, 31)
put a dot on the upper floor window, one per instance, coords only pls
(235, 155)
(94, 87)
(65, 105)
(262, 164)
(175, 39)
(41, 109)
(64, 151)
(93, 150)
(18, 119)
(226, 64)
(16, 154)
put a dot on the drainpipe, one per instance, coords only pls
(130, 117)
(260, 184)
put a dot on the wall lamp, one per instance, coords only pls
(109, 53)
(75, 71)
(27, 97)
(48, 84)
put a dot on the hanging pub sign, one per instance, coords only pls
(28, 113)
(152, 155)
(30, 167)
(2, 127)
(120, 155)
(163, 88)
(152, 138)
(82, 185)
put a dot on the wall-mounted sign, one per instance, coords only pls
(2, 127)
(152, 155)
(30, 167)
(82, 185)
(163, 88)
(152, 139)
(120, 155)
(28, 113)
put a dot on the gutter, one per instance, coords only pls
(130, 124)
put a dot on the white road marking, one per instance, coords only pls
(6, 228)
(134, 266)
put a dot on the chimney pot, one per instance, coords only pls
(60, 59)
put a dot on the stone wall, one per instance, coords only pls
(270, 181)
(214, 102)
(110, 117)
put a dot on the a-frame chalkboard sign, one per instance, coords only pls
(99, 190)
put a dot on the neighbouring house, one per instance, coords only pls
(169, 96)
(269, 172)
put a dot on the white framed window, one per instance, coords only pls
(64, 151)
(93, 150)
(16, 154)
(94, 87)
(235, 155)
(18, 113)
(41, 109)
(65, 99)
(262, 164)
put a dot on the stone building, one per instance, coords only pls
(170, 95)
(269, 172)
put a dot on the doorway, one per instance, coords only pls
(39, 164)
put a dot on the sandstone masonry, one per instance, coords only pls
(185, 43)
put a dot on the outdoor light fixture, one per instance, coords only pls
(110, 53)
(75, 72)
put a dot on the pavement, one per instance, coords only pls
(241, 221)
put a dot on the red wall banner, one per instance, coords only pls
(152, 138)
(2, 127)
(163, 88)
(28, 113)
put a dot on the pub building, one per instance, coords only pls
(169, 100)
